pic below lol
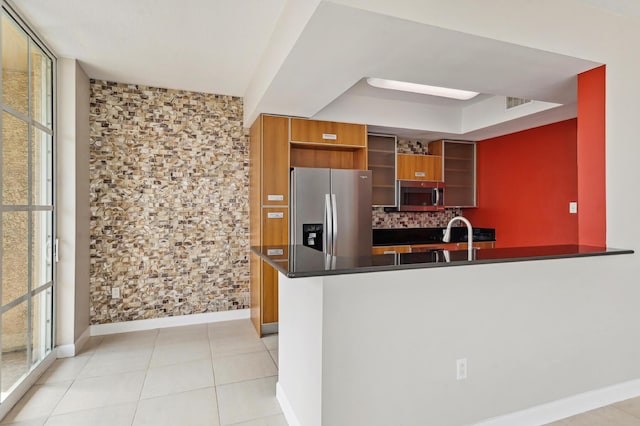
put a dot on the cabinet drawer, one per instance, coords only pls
(453, 246)
(391, 249)
(478, 245)
(328, 133)
(419, 167)
(425, 247)
(275, 226)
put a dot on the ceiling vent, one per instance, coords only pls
(514, 102)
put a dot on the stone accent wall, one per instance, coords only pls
(169, 203)
(382, 220)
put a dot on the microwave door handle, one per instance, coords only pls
(437, 196)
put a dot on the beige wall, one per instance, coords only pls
(72, 203)
(169, 203)
(83, 212)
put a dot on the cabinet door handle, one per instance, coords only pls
(275, 215)
(329, 136)
(420, 174)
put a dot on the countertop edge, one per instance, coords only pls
(610, 251)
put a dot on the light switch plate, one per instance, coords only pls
(573, 207)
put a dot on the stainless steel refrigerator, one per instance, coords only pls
(331, 210)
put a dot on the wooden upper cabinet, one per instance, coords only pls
(275, 160)
(419, 167)
(328, 132)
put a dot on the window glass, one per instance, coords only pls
(15, 76)
(40, 87)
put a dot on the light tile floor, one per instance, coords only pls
(625, 413)
(216, 375)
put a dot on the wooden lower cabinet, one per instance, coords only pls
(391, 249)
(455, 246)
(269, 294)
(255, 290)
(264, 294)
(422, 247)
(478, 245)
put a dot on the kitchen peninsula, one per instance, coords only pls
(375, 340)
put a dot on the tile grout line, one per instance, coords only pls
(146, 371)
(213, 370)
(623, 411)
(50, 415)
(210, 339)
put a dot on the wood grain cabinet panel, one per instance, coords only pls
(275, 226)
(269, 294)
(328, 132)
(419, 167)
(275, 161)
(255, 289)
(269, 210)
(391, 249)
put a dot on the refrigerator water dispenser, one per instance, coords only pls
(312, 235)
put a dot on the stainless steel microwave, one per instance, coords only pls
(419, 196)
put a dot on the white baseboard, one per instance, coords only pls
(567, 407)
(70, 350)
(18, 392)
(287, 410)
(150, 324)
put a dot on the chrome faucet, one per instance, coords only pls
(447, 234)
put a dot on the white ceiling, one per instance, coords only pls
(627, 8)
(209, 46)
(217, 46)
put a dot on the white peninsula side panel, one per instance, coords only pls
(381, 348)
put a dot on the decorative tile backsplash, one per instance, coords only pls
(439, 219)
(405, 146)
(169, 203)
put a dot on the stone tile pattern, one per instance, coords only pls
(169, 203)
(405, 146)
(412, 219)
(394, 220)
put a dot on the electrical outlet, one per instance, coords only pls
(115, 292)
(573, 207)
(461, 369)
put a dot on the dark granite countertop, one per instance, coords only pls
(300, 261)
(412, 236)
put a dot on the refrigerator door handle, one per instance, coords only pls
(334, 237)
(327, 225)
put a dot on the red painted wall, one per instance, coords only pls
(592, 206)
(525, 183)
